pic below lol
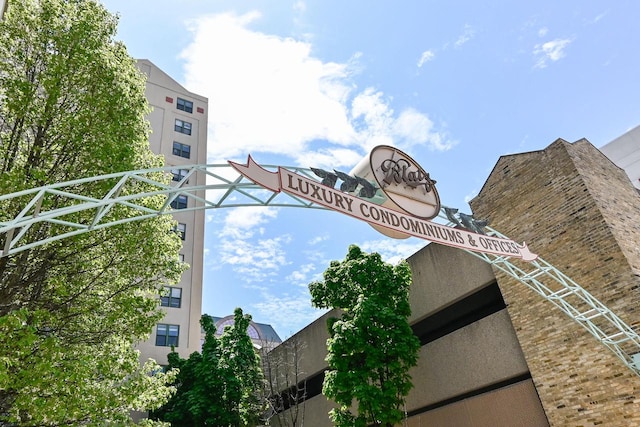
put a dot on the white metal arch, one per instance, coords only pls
(225, 188)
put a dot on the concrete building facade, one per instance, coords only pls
(624, 151)
(494, 352)
(179, 133)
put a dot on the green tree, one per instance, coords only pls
(198, 385)
(220, 386)
(72, 105)
(371, 346)
(240, 356)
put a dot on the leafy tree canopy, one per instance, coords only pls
(220, 386)
(72, 105)
(371, 346)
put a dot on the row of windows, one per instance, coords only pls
(182, 126)
(168, 335)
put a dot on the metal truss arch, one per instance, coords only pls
(202, 187)
(220, 186)
(572, 299)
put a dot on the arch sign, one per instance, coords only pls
(392, 193)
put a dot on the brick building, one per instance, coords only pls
(495, 353)
(582, 213)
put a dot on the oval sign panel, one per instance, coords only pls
(407, 187)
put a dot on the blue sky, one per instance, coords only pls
(319, 83)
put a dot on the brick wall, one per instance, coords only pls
(579, 212)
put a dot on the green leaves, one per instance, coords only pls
(371, 346)
(222, 385)
(72, 105)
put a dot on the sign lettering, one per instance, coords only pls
(379, 215)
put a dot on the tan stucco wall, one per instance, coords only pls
(516, 405)
(159, 87)
(474, 357)
(443, 275)
(483, 353)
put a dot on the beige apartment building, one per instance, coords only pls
(179, 133)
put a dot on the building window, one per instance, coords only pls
(184, 105)
(179, 202)
(167, 335)
(179, 174)
(181, 230)
(171, 297)
(181, 256)
(182, 150)
(161, 369)
(182, 127)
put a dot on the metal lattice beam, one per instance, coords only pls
(573, 300)
(220, 186)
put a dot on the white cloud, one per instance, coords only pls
(329, 158)
(269, 94)
(299, 6)
(257, 260)
(467, 34)
(553, 50)
(289, 311)
(318, 239)
(598, 18)
(416, 128)
(426, 56)
(470, 195)
(377, 125)
(266, 93)
(241, 223)
(393, 251)
(300, 277)
(543, 31)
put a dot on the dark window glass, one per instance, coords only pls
(182, 150)
(179, 202)
(181, 229)
(167, 335)
(179, 174)
(182, 127)
(184, 105)
(171, 297)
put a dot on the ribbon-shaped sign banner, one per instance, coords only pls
(313, 191)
